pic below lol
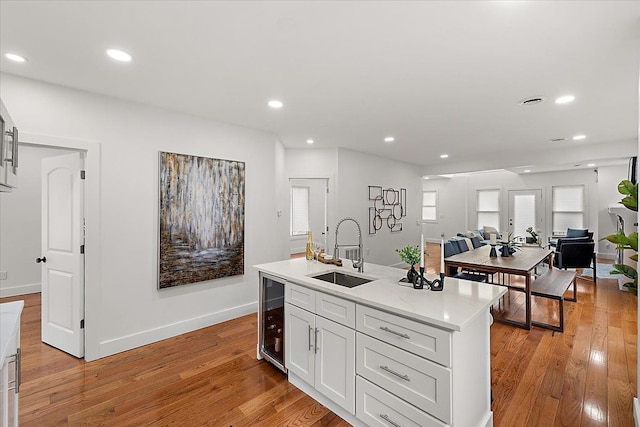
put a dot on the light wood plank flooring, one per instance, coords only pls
(585, 376)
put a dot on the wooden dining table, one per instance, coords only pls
(521, 263)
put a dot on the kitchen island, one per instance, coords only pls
(383, 353)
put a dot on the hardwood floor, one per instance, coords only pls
(585, 376)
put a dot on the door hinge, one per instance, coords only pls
(82, 175)
(82, 324)
(81, 249)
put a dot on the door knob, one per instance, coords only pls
(43, 259)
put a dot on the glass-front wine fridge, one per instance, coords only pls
(271, 320)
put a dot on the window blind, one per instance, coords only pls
(299, 211)
(524, 214)
(489, 208)
(568, 208)
(429, 206)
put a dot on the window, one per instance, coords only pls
(299, 211)
(489, 208)
(429, 206)
(568, 208)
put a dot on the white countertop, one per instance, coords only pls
(459, 303)
(9, 322)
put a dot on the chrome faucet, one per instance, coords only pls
(336, 249)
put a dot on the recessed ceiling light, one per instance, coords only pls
(444, 156)
(119, 55)
(274, 103)
(565, 99)
(579, 137)
(527, 170)
(389, 139)
(591, 164)
(310, 141)
(425, 177)
(15, 57)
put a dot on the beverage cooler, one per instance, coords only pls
(271, 321)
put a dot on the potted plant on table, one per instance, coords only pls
(622, 241)
(410, 254)
(509, 246)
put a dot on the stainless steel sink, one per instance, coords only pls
(342, 279)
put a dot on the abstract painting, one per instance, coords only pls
(201, 219)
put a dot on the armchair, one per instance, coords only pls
(575, 253)
(572, 233)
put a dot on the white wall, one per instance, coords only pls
(356, 172)
(457, 197)
(608, 180)
(20, 245)
(132, 311)
(350, 174)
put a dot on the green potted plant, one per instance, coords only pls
(509, 246)
(622, 241)
(410, 254)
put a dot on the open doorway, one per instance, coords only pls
(39, 235)
(48, 146)
(307, 212)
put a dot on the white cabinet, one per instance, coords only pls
(8, 151)
(320, 351)
(375, 367)
(9, 362)
(412, 373)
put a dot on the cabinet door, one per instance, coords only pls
(299, 341)
(335, 363)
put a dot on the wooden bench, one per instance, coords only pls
(553, 284)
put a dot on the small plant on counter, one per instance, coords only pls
(622, 241)
(410, 254)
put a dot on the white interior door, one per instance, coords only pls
(525, 210)
(62, 256)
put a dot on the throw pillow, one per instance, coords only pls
(488, 231)
(469, 244)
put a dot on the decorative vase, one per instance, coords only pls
(505, 251)
(412, 274)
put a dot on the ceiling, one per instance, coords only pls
(442, 77)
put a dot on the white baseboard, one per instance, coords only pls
(117, 345)
(13, 291)
(636, 411)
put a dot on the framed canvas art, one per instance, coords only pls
(201, 219)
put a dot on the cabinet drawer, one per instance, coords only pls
(377, 407)
(424, 340)
(420, 382)
(337, 309)
(300, 296)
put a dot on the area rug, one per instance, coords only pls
(602, 272)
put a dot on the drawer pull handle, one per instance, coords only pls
(316, 342)
(389, 420)
(400, 334)
(310, 345)
(391, 371)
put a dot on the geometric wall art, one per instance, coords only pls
(389, 207)
(201, 222)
